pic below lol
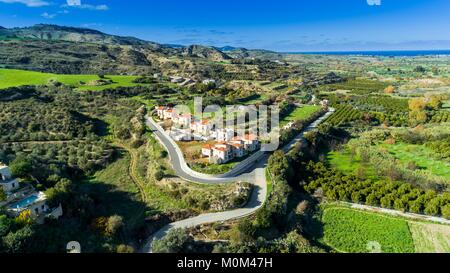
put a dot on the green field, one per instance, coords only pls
(421, 156)
(348, 164)
(300, 113)
(358, 86)
(351, 230)
(13, 78)
(405, 153)
(354, 231)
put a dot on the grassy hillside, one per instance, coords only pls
(13, 77)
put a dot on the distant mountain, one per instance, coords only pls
(73, 34)
(243, 53)
(174, 45)
(205, 52)
(226, 48)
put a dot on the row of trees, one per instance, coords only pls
(334, 185)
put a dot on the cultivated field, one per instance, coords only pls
(348, 230)
(14, 78)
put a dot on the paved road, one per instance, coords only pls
(254, 173)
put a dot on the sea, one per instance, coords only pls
(396, 53)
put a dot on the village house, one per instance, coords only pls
(176, 79)
(19, 199)
(183, 120)
(209, 81)
(202, 127)
(222, 153)
(325, 103)
(224, 135)
(7, 182)
(250, 142)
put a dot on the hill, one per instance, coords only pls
(205, 52)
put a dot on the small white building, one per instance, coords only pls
(224, 135)
(325, 103)
(176, 79)
(250, 142)
(180, 135)
(222, 153)
(202, 127)
(209, 81)
(7, 182)
(183, 120)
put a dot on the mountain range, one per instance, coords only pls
(62, 49)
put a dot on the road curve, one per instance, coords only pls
(253, 173)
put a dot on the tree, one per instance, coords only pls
(389, 90)
(114, 223)
(17, 242)
(5, 225)
(446, 211)
(174, 242)
(247, 230)
(124, 249)
(159, 175)
(60, 193)
(279, 166)
(2, 195)
(420, 69)
(432, 207)
(21, 166)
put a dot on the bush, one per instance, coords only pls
(174, 242)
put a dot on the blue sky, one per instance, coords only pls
(282, 25)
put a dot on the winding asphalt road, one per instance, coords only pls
(253, 172)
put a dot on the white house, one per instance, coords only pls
(180, 135)
(176, 79)
(7, 182)
(202, 127)
(222, 153)
(238, 150)
(25, 198)
(325, 103)
(250, 142)
(224, 135)
(209, 81)
(183, 120)
(207, 150)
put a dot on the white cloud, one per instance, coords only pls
(28, 3)
(47, 15)
(79, 5)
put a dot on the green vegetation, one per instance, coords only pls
(348, 230)
(420, 156)
(343, 115)
(14, 78)
(300, 113)
(391, 195)
(357, 86)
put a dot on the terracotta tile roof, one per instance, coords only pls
(250, 137)
(222, 149)
(208, 146)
